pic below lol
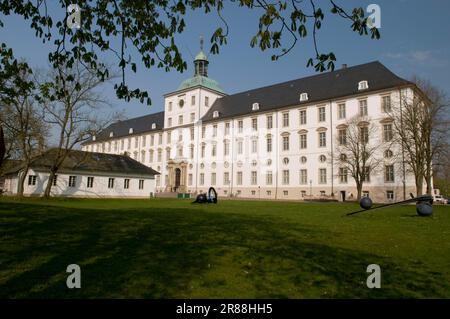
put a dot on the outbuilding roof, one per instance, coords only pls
(90, 162)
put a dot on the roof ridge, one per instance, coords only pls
(313, 76)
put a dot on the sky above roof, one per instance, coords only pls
(415, 39)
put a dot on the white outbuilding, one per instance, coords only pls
(85, 174)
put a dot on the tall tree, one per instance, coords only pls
(419, 123)
(23, 121)
(75, 110)
(356, 150)
(14, 82)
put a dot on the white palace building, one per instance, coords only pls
(274, 142)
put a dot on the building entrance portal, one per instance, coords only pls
(177, 176)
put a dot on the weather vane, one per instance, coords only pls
(201, 43)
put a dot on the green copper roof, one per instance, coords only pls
(201, 56)
(201, 80)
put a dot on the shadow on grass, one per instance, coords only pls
(186, 253)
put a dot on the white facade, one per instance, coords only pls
(233, 155)
(82, 184)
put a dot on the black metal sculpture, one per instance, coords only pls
(211, 198)
(424, 205)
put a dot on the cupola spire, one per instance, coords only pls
(201, 62)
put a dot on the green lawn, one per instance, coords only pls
(165, 248)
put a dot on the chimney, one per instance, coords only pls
(344, 66)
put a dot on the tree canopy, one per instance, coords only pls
(150, 26)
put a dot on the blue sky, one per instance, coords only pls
(415, 39)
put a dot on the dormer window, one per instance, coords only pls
(130, 131)
(93, 137)
(363, 85)
(255, 106)
(153, 126)
(215, 114)
(111, 134)
(303, 97)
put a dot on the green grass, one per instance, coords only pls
(166, 248)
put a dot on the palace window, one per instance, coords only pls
(126, 183)
(303, 97)
(269, 144)
(366, 174)
(269, 120)
(269, 178)
(342, 136)
(364, 134)
(254, 146)
(322, 139)
(254, 178)
(202, 152)
(343, 175)
(111, 183)
(226, 148)
(254, 124)
(389, 173)
(285, 119)
(227, 128)
(386, 104)
(322, 115)
(285, 180)
(303, 141)
(240, 147)
(239, 178)
(363, 107)
(341, 111)
(141, 184)
(363, 85)
(390, 195)
(285, 143)
(322, 175)
(303, 176)
(302, 117)
(387, 132)
(226, 178)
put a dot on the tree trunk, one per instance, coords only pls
(359, 191)
(429, 184)
(21, 182)
(419, 186)
(49, 185)
(2, 146)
